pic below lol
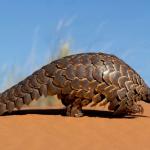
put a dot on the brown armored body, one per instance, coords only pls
(80, 80)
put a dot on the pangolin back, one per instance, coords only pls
(80, 80)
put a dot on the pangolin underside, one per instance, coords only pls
(79, 80)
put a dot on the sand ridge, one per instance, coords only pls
(49, 129)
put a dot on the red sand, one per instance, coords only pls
(43, 129)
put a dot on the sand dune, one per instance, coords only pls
(49, 129)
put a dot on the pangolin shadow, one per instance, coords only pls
(62, 112)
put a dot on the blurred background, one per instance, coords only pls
(33, 33)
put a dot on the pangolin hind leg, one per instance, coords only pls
(73, 108)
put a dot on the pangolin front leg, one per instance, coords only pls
(128, 108)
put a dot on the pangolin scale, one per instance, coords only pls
(80, 80)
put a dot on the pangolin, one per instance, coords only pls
(80, 80)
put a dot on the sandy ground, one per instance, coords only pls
(98, 130)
